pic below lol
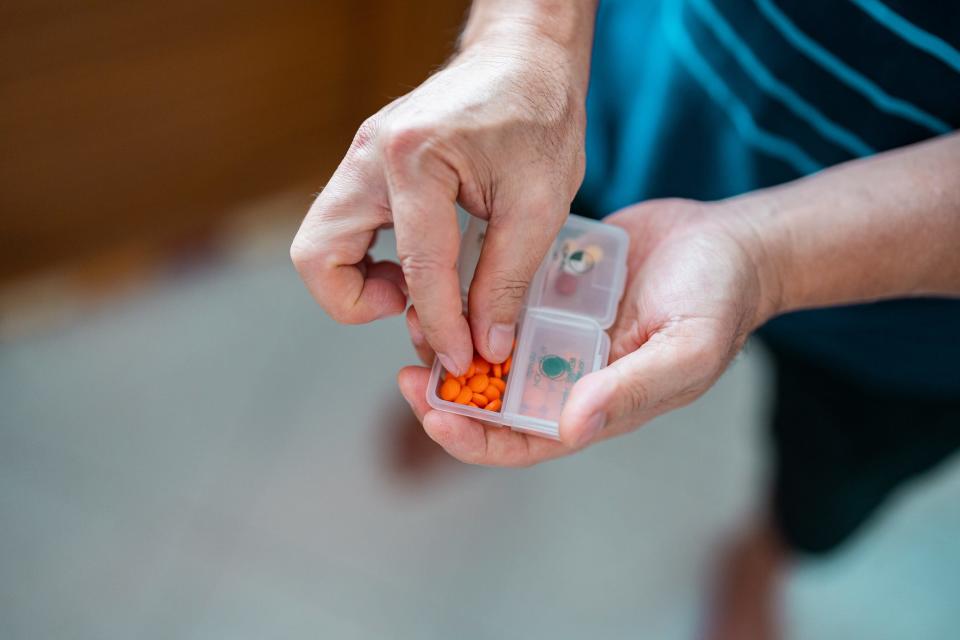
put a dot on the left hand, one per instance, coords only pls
(694, 293)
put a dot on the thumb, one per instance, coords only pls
(513, 248)
(659, 376)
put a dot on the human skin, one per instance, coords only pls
(500, 129)
(702, 276)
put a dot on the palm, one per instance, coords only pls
(689, 299)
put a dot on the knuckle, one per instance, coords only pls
(421, 267)
(400, 141)
(313, 265)
(548, 209)
(311, 254)
(508, 292)
(367, 132)
(542, 202)
(302, 254)
(502, 289)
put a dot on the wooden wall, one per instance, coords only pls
(129, 120)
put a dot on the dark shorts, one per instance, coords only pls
(842, 449)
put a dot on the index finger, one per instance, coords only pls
(330, 248)
(422, 200)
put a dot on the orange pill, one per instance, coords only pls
(450, 389)
(462, 380)
(507, 363)
(499, 384)
(472, 369)
(465, 395)
(480, 400)
(479, 382)
(493, 405)
(491, 392)
(470, 404)
(481, 365)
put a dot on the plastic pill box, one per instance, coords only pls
(561, 333)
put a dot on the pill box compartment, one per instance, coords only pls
(584, 272)
(560, 336)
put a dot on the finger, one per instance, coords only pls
(513, 248)
(420, 344)
(469, 440)
(668, 371)
(389, 271)
(330, 248)
(474, 442)
(422, 195)
(413, 385)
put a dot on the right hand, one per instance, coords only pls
(499, 130)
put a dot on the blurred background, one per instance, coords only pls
(189, 448)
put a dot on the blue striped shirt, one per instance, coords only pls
(706, 99)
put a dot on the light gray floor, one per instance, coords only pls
(213, 458)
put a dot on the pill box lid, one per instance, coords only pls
(583, 273)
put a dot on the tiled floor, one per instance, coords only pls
(213, 458)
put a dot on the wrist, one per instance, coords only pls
(752, 222)
(556, 32)
(566, 23)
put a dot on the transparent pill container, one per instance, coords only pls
(561, 333)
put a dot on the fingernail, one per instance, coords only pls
(593, 428)
(448, 363)
(500, 340)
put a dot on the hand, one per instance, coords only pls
(500, 130)
(694, 293)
